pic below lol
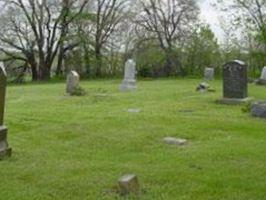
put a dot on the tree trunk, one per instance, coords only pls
(33, 65)
(169, 62)
(98, 58)
(44, 72)
(86, 59)
(59, 68)
(34, 72)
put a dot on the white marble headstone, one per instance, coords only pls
(129, 82)
(209, 73)
(263, 74)
(72, 81)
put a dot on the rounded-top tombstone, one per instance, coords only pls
(208, 74)
(129, 82)
(235, 82)
(4, 149)
(72, 82)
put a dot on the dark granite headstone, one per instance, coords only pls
(235, 80)
(4, 149)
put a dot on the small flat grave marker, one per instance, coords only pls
(134, 110)
(129, 184)
(175, 141)
(258, 109)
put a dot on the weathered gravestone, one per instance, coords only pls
(129, 82)
(129, 184)
(262, 80)
(258, 109)
(208, 74)
(4, 149)
(72, 82)
(235, 83)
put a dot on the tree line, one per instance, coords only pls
(95, 37)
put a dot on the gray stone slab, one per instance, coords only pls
(72, 82)
(129, 184)
(208, 74)
(134, 110)
(258, 109)
(175, 141)
(263, 74)
(231, 101)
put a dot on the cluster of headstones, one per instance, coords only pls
(235, 86)
(128, 84)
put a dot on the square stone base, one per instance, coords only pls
(5, 151)
(231, 101)
(128, 85)
(261, 82)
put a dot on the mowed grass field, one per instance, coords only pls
(76, 148)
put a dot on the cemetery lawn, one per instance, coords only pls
(76, 148)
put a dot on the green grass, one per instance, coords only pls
(76, 148)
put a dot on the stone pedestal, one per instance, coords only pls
(232, 101)
(129, 82)
(5, 151)
(128, 85)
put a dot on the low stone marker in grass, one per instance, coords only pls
(235, 83)
(129, 184)
(258, 109)
(4, 149)
(175, 141)
(134, 110)
(72, 82)
(129, 82)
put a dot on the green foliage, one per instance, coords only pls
(202, 50)
(78, 91)
(247, 107)
(260, 35)
(150, 59)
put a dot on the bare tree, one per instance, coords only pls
(169, 22)
(108, 15)
(250, 15)
(37, 31)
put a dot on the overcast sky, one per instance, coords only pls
(211, 16)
